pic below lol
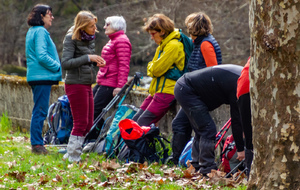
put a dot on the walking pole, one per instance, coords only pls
(219, 137)
(236, 167)
(115, 149)
(241, 174)
(226, 124)
(135, 80)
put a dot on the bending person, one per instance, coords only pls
(243, 95)
(206, 53)
(43, 70)
(169, 54)
(79, 60)
(112, 77)
(202, 91)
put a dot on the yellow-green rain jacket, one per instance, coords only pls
(169, 52)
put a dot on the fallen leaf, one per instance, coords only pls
(31, 188)
(82, 177)
(103, 184)
(19, 176)
(58, 178)
(44, 179)
(188, 173)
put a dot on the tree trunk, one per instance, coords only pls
(275, 92)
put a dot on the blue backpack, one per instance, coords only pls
(113, 137)
(186, 154)
(60, 122)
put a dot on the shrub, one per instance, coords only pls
(5, 123)
(15, 70)
(3, 72)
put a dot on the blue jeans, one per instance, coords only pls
(41, 96)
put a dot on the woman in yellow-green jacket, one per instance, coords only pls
(169, 55)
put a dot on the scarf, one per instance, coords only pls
(85, 36)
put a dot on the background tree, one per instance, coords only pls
(275, 92)
(229, 17)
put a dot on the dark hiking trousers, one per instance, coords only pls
(203, 125)
(153, 108)
(196, 111)
(245, 113)
(102, 96)
(182, 131)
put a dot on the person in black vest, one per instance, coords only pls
(204, 90)
(206, 53)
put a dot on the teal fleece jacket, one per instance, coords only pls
(41, 55)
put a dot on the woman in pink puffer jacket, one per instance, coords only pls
(117, 52)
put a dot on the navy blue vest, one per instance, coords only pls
(197, 61)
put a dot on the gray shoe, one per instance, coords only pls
(74, 148)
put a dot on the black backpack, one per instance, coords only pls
(144, 146)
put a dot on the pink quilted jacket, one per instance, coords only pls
(116, 53)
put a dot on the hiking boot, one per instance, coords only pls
(74, 148)
(39, 149)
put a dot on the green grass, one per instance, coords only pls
(20, 169)
(5, 123)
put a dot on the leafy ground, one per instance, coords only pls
(20, 169)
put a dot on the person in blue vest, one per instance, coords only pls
(43, 70)
(206, 53)
(200, 92)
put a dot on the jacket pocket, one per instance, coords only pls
(103, 71)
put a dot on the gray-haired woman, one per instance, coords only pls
(117, 53)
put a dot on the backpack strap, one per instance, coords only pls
(165, 150)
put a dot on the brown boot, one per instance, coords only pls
(39, 149)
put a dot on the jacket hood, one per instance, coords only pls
(70, 31)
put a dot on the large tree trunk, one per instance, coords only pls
(275, 92)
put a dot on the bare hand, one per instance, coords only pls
(116, 91)
(240, 155)
(97, 59)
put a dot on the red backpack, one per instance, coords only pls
(229, 150)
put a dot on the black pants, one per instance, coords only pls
(181, 123)
(205, 129)
(102, 96)
(182, 131)
(196, 110)
(245, 113)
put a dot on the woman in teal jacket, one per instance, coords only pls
(43, 70)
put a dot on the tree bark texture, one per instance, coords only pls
(275, 91)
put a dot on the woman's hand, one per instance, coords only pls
(97, 59)
(116, 91)
(240, 155)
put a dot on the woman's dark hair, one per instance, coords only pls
(34, 18)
